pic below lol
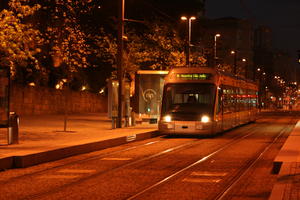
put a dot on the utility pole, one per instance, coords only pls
(120, 59)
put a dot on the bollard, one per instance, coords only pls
(114, 122)
(133, 119)
(13, 129)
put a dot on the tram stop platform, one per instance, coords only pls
(287, 166)
(43, 139)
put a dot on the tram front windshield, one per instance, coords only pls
(188, 101)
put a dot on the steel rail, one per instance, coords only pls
(166, 179)
(173, 150)
(244, 170)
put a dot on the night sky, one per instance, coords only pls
(282, 16)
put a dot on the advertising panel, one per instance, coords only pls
(149, 85)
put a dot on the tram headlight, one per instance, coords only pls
(205, 119)
(168, 118)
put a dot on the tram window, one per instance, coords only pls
(189, 94)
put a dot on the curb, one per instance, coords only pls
(57, 154)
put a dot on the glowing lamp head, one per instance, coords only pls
(205, 119)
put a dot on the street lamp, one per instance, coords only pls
(246, 67)
(215, 48)
(184, 18)
(120, 60)
(234, 53)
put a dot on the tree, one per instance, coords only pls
(18, 40)
(157, 46)
(66, 40)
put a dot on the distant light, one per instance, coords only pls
(58, 86)
(232, 52)
(99, 6)
(258, 69)
(183, 18)
(83, 88)
(218, 35)
(193, 18)
(244, 60)
(101, 91)
(31, 84)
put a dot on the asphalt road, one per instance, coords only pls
(234, 165)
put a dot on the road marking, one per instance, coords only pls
(58, 176)
(201, 180)
(116, 158)
(209, 173)
(77, 171)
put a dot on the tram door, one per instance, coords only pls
(219, 111)
(228, 113)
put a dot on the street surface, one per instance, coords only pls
(234, 165)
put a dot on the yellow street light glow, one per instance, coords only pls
(101, 91)
(57, 86)
(218, 35)
(193, 18)
(244, 60)
(232, 52)
(83, 88)
(183, 18)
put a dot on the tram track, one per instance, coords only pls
(91, 158)
(86, 178)
(203, 159)
(247, 167)
(231, 184)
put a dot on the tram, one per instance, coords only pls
(204, 101)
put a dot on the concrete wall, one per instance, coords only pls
(40, 100)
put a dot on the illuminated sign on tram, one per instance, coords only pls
(194, 76)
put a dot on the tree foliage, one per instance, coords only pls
(64, 34)
(157, 47)
(46, 41)
(19, 42)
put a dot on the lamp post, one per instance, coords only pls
(120, 59)
(215, 48)
(246, 67)
(234, 53)
(189, 37)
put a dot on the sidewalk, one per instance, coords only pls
(42, 139)
(287, 166)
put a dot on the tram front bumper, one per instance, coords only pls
(186, 127)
